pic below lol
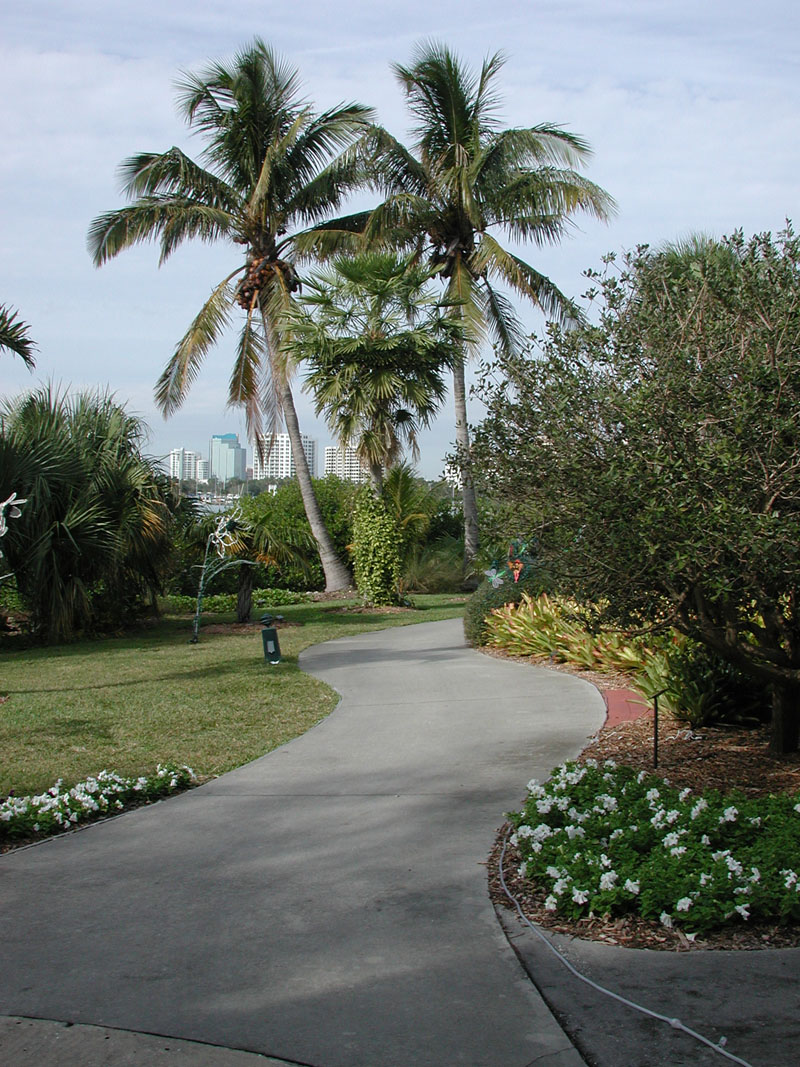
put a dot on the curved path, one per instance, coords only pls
(323, 905)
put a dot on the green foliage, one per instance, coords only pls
(224, 603)
(609, 841)
(488, 597)
(14, 336)
(703, 688)
(435, 567)
(377, 545)
(106, 793)
(93, 540)
(375, 342)
(656, 454)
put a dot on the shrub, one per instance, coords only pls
(226, 602)
(436, 567)
(376, 550)
(608, 841)
(487, 597)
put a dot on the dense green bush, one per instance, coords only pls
(226, 602)
(702, 688)
(436, 567)
(488, 597)
(376, 550)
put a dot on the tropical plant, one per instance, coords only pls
(271, 173)
(375, 342)
(658, 452)
(376, 550)
(14, 336)
(93, 536)
(263, 538)
(469, 179)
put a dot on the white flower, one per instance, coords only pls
(684, 904)
(544, 805)
(632, 887)
(580, 896)
(522, 870)
(575, 831)
(678, 851)
(608, 880)
(553, 872)
(744, 910)
(701, 805)
(652, 795)
(706, 840)
(791, 878)
(640, 777)
(666, 919)
(670, 839)
(755, 875)
(551, 903)
(728, 815)
(684, 794)
(534, 788)
(561, 886)
(797, 807)
(705, 879)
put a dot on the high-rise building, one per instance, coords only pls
(226, 458)
(183, 465)
(345, 463)
(277, 462)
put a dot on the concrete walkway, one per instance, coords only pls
(324, 905)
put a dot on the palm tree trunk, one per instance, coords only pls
(244, 593)
(469, 501)
(337, 576)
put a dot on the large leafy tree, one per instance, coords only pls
(93, 536)
(466, 181)
(271, 174)
(375, 342)
(15, 336)
(657, 453)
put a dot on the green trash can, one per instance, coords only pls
(269, 636)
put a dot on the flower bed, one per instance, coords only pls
(608, 841)
(103, 794)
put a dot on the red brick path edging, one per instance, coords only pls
(623, 705)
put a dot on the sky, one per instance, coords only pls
(691, 109)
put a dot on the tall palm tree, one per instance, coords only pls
(375, 342)
(14, 336)
(468, 180)
(271, 173)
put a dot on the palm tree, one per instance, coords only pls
(375, 342)
(14, 336)
(468, 179)
(272, 173)
(93, 538)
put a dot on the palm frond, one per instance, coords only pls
(172, 219)
(247, 387)
(203, 334)
(14, 336)
(173, 172)
(490, 258)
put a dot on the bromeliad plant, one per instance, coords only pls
(606, 841)
(104, 794)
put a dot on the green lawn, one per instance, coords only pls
(128, 703)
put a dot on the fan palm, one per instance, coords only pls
(469, 179)
(375, 342)
(93, 537)
(271, 172)
(14, 335)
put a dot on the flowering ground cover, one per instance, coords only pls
(608, 840)
(60, 809)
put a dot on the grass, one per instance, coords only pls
(128, 703)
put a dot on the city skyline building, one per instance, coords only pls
(226, 458)
(346, 464)
(278, 464)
